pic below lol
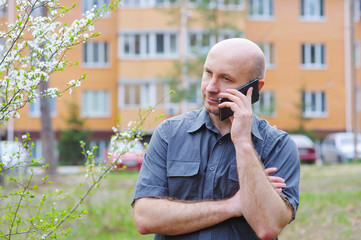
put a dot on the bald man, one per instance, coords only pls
(203, 178)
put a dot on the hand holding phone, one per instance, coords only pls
(226, 112)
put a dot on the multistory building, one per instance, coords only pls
(146, 46)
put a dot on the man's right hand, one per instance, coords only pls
(277, 182)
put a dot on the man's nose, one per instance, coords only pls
(213, 86)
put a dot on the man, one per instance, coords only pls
(203, 178)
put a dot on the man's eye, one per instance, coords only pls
(227, 79)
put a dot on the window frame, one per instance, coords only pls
(147, 45)
(199, 48)
(34, 108)
(148, 91)
(267, 13)
(103, 99)
(266, 106)
(314, 104)
(103, 54)
(268, 49)
(305, 10)
(320, 61)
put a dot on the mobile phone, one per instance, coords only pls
(226, 112)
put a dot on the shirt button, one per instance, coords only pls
(211, 168)
(220, 142)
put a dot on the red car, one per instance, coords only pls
(128, 156)
(306, 148)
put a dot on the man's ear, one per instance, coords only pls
(260, 84)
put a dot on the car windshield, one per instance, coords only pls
(349, 140)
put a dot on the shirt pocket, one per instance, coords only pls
(183, 179)
(232, 185)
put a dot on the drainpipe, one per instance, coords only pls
(348, 66)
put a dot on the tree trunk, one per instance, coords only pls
(47, 133)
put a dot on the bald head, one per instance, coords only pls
(245, 54)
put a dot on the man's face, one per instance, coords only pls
(221, 71)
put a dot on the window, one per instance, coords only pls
(100, 152)
(268, 51)
(39, 9)
(34, 108)
(2, 9)
(37, 150)
(356, 10)
(314, 104)
(199, 42)
(166, 3)
(89, 4)
(312, 9)
(96, 54)
(148, 45)
(134, 94)
(220, 4)
(266, 104)
(260, 9)
(2, 48)
(96, 103)
(313, 56)
(357, 55)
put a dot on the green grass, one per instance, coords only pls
(330, 205)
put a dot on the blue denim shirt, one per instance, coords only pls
(188, 159)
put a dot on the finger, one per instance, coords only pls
(275, 179)
(278, 185)
(249, 94)
(270, 170)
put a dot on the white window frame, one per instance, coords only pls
(148, 44)
(99, 99)
(310, 14)
(268, 49)
(89, 4)
(219, 4)
(266, 14)
(357, 53)
(103, 49)
(39, 10)
(3, 10)
(148, 93)
(266, 106)
(199, 48)
(34, 108)
(320, 56)
(314, 104)
(356, 10)
(100, 153)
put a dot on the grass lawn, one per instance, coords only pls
(330, 205)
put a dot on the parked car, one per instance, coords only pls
(339, 147)
(129, 156)
(306, 148)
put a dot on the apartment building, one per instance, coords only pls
(145, 43)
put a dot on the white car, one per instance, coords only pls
(339, 147)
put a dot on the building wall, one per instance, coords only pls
(286, 30)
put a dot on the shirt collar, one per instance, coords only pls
(203, 119)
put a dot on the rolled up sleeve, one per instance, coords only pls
(152, 178)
